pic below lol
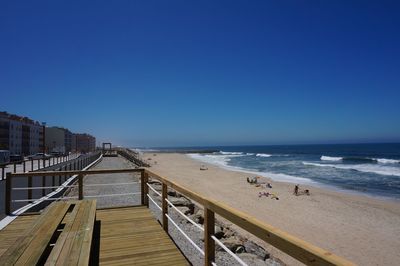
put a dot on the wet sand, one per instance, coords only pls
(363, 229)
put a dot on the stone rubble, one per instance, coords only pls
(247, 250)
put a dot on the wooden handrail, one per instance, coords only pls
(289, 244)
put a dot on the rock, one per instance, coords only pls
(240, 249)
(252, 259)
(184, 210)
(172, 193)
(232, 243)
(191, 208)
(179, 201)
(218, 232)
(228, 232)
(156, 186)
(255, 249)
(198, 217)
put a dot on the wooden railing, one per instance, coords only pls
(289, 244)
(132, 156)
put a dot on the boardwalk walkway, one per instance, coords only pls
(128, 236)
(124, 235)
(96, 185)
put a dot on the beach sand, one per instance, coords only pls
(362, 229)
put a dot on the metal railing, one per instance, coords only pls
(34, 164)
(289, 244)
(40, 185)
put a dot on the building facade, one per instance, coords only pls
(84, 143)
(23, 136)
(55, 139)
(68, 140)
(19, 135)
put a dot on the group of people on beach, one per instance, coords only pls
(298, 192)
(254, 181)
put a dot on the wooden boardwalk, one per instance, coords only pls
(125, 236)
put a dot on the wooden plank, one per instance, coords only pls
(30, 246)
(131, 236)
(88, 235)
(74, 243)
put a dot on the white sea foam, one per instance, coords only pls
(222, 161)
(263, 155)
(383, 160)
(366, 168)
(230, 153)
(329, 158)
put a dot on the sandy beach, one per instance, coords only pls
(363, 229)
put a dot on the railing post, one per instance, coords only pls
(53, 182)
(2, 173)
(43, 185)
(209, 244)
(15, 167)
(8, 193)
(38, 163)
(23, 166)
(30, 190)
(31, 165)
(80, 183)
(146, 189)
(164, 207)
(142, 184)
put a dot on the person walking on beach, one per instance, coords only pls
(296, 190)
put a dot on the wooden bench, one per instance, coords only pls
(43, 244)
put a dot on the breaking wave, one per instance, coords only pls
(366, 168)
(263, 155)
(359, 159)
(328, 158)
(222, 161)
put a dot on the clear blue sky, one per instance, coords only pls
(166, 73)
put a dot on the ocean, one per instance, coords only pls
(372, 169)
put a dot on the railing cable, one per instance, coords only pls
(184, 215)
(154, 202)
(228, 250)
(185, 235)
(155, 191)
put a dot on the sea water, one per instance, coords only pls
(373, 169)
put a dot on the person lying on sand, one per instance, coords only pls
(252, 180)
(267, 194)
(274, 196)
(203, 167)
